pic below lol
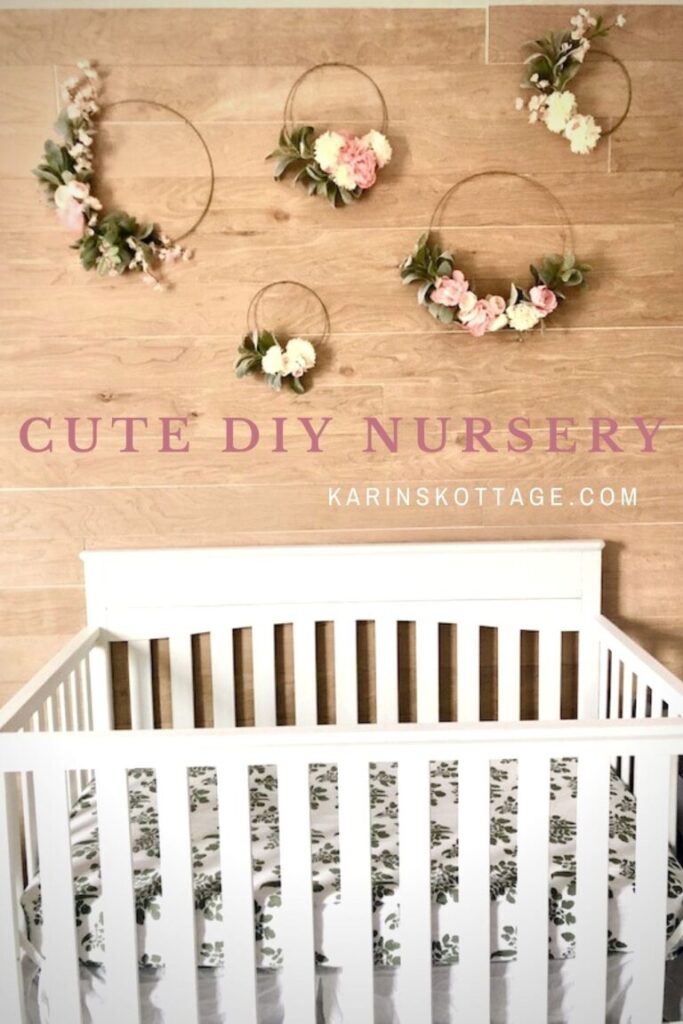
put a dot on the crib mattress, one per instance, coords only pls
(385, 867)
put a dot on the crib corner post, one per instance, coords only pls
(11, 886)
(101, 686)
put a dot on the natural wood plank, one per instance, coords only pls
(648, 144)
(239, 37)
(647, 197)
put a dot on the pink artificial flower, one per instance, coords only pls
(544, 299)
(478, 317)
(450, 290)
(467, 303)
(361, 161)
(70, 216)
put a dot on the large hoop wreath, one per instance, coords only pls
(334, 164)
(280, 361)
(555, 60)
(110, 242)
(446, 293)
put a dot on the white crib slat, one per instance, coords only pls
(589, 656)
(603, 685)
(100, 685)
(11, 986)
(305, 673)
(532, 890)
(346, 671)
(473, 1006)
(592, 827)
(298, 939)
(182, 681)
(652, 852)
(237, 893)
(356, 979)
(118, 897)
(29, 819)
(223, 678)
(641, 697)
(177, 909)
(468, 671)
(414, 995)
(57, 894)
(386, 660)
(615, 688)
(140, 683)
(549, 674)
(509, 670)
(427, 669)
(263, 648)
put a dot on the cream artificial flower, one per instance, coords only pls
(299, 356)
(500, 321)
(522, 316)
(559, 108)
(343, 177)
(583, 133)
(273, 361)
(326, 150)
(380, 146)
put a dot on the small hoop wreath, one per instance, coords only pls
(113, 242)
(556, 59)
(446, 293)
(334, 164)
(281, 362)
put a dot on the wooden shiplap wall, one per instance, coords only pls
(74, 345)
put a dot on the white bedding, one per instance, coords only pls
(446, 981)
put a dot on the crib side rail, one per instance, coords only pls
(412, 748)
(633, 684)
(59, 692)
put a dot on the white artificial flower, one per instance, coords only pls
(559, 108)
(380, 146)
(519, 103)
(326, 150)
(343, 177)
(522, 316)
(273, 361)
(620, 21)
(299, 356)
(84, 138)
(579, 54)
(583, 133)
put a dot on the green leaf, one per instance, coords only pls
(266, 340)
(296, 385)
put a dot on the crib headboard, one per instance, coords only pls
(139, 596)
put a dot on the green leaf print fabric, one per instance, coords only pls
(385, 866)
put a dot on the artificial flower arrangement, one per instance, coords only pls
(556, 59)
(261, 352)
(447, 295)
(337, 165)
(111, 243)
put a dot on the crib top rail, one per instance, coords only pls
(328, 744)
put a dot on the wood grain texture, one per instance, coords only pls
(73, 345)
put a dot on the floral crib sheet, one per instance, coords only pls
(385, 866)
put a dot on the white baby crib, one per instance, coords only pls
(58, 734)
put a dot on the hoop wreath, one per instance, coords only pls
(556, 59)
(448, 297)
(283, 362)
(334, 164)
(114, 242)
